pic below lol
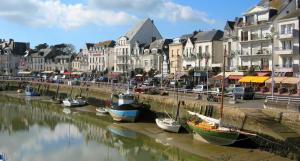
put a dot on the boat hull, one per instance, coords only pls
(214, 136)
(124, 115)
(167, 127)
(70, 104)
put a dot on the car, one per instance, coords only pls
(199, 88)
(231, 87)
(243, 92)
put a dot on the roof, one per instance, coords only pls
(207, 36)
(89, 45)
(293, 14)
(230, 24)
(158, 44)
(133, 31)
(108, 43)
(42, 52)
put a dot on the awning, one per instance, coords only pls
(113, 75)
(217, 77)
(276, 80)
(24, 72)
(235, 77)
(253, 79)
(47, 72)
(262, 73)
(76, 73)
(227, 74)
(291, 80)
(67, 73)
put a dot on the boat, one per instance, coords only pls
(102, 110)
(170, 123)
(70, 102)
(125, 109)
(30, 92)
(211, 130)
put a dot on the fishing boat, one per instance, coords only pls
(30, 92)
(211, 130)
(125, 108)
(170, 123)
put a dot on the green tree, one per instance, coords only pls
(41, 46)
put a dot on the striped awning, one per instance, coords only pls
(291, 80)
(253, 79)
(276, 80)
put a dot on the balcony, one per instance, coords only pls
(263, 52)
(284, 51)
(289, 35)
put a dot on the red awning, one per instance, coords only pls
(113, 75)
(235, 77)
(67, 73)
(262, 74)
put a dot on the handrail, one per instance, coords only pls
(288, 100)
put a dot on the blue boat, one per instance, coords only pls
(125, 109)
(30, 92)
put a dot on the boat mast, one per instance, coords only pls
(223, 84)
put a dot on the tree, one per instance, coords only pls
(41, 46)
(151, 72)
(139, 70)
(68, 49)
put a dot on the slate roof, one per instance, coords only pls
(133, 31)
(293, 14)
(208, 36)
(158, 44)
(42, 53)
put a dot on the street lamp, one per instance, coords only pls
(271, 36)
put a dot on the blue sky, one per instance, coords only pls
(81, 21)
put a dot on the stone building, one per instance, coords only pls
(11, 53)
(129, 46)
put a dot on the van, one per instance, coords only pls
(243, 92)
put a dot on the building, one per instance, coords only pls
(231, 44)
(154, 55)
(255, 33)
(209, 49)
(50, 59)
(105, 54)
(11, 53)
(128, 46)
(287, 52)
(37, 59)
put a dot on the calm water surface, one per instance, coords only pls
(31, 133)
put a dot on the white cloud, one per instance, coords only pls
(163, 9)
(55, 13)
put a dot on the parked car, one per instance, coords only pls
(243, 92)
(199, 88)
(231, 87)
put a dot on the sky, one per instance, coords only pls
(91, 21)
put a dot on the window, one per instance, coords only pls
(200, 49)
(283, 27)
(172, 53)
(206, 49)
(177, 52)
(290, 28)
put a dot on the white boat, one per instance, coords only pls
(68, 102)
(102, 110)
(168, 124)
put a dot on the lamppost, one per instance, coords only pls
(271, 36)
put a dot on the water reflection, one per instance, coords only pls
(31, 133)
